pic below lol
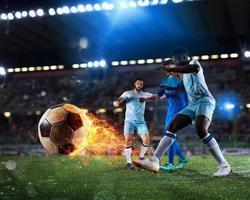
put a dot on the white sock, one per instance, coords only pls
(214, 149)
(163, 145)
(144, 149)
(128, 152)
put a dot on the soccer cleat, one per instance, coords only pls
(147, 164)
(181, 164)
(223, 170)
(129, 166)
(167, 167)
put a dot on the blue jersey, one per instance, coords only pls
(196, 87)
(176, 101)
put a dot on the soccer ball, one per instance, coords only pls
(63, 129)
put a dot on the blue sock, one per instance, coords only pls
(179, 152)
(171, 153)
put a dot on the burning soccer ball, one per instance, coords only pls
(63, 129)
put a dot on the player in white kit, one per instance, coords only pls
(134, 122)
(199, 111)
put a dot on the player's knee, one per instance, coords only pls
(201, 131)
(173, 128)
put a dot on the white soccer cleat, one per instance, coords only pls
(147, 164)
(223, 170)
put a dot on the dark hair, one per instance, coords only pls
(179, 51)
(167, 62)
(138, 79)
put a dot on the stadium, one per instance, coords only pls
(65, 67)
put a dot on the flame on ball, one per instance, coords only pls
(103, 139)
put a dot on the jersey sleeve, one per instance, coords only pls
(160, 92)
(148, 94)
(124, 95)
(196, 62)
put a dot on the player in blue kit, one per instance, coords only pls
(199, 111)
(176, 101)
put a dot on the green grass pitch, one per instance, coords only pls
(64, 178)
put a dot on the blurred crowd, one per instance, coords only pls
(26, 97)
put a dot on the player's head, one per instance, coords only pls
(180, 56)
(168, 63)
(138, 84)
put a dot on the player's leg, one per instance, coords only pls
(144, 134)
(128, 137)
(179, 122)
(169, 166)
(202, 123)
(144, 146)
(182, 157)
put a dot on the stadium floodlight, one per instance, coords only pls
(204, 57)
(31, 69)
(17, 69)
(24, 69)
(83, 65)
(123, 62)
(132, 4)
(132, 62)
(81, 8)
(2, 71)
(158, 60)
(38, 68)
(177, 1)
(115, 63)
(103, 63)
(10, 16)
(59, 11)
(75, 66)
(32, 13)
(141, 62)
(215, 56)
(65, 9)
(45, 68)
(7, 114)
(248, 105)
(10, 70)
(234, 55)
(154, 2)
(101, 110)
(150, 61)
(96, 64)
(247, 54)
(4, 16)
(90, 64)
(195, 57)
(97, 7)
(73, 9)
(224, 55)
(229, 106)
(107, 6)
(52, 11)
(164, 2)
(18, 15)
(53, 67)
(89, 7)
(60, 66)
(123, 4)
(24, 13)
(40, 12)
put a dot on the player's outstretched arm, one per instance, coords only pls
(177, 89)
(184, 69)
(150, 99)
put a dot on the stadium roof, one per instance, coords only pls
(203, 27)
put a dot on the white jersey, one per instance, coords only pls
(196, 87)
(134, 109)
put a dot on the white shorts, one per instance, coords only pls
(131, 127)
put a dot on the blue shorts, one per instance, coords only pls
(204, 108)
(131, 127)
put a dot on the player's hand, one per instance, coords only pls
(141, 99)
(116, 104)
